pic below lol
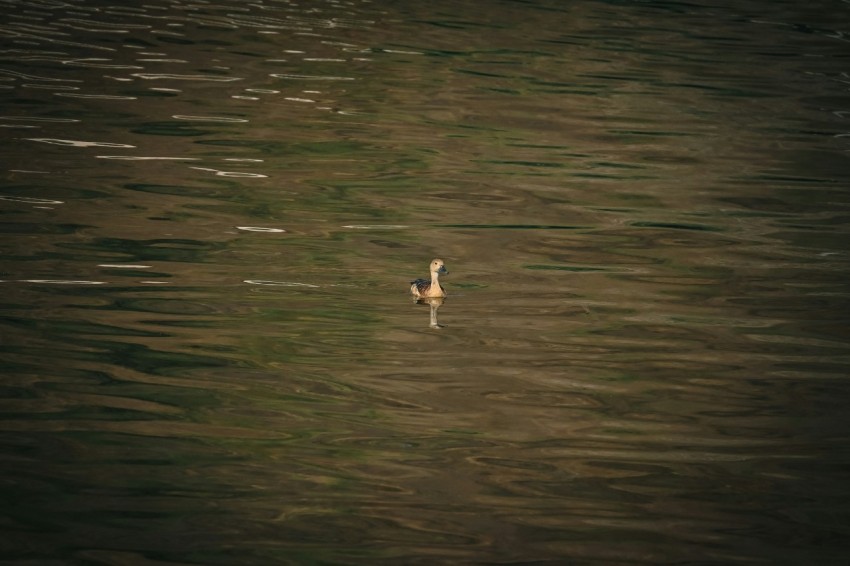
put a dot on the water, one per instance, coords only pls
(211, 213)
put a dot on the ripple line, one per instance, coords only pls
(79, 143)
(39, 119)
(310, 77)
(279, 283)
(208, 118)
(36, 77)
(259, 229)
(51, 86)
(108, 27)
(145, 158)
(375, 226)
(31, 200)
(13, 33)
(98, 96)
(212, 78)
(231, 173)
(93, 62)
(63, 281)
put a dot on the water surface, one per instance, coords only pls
(212, 210)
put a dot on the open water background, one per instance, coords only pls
(211, 211)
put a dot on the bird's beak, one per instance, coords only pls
(443, 270)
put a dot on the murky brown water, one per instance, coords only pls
(211, 212)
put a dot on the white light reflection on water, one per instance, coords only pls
(94, 96)
(310, 77)
(210, 119)
(261, 229)
(80, 143)
(30, 200)
(280, 283)
(63, 282)
(178, 77)
(220, 173)
(145, 158)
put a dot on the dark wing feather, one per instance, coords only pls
(422, 285)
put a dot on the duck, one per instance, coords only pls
(429, 289)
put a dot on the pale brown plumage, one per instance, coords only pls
(426, 288)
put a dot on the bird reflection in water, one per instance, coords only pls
(434, 303)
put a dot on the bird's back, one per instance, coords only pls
(420, 286)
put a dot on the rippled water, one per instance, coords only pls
(211, 212)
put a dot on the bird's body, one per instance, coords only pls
(430, 288)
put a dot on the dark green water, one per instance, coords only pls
(211, 212)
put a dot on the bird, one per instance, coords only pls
(428, 289)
